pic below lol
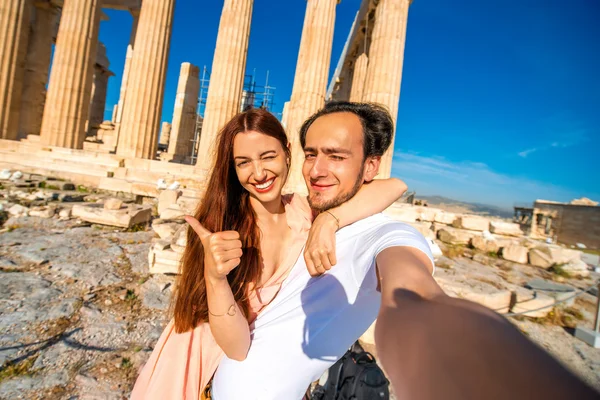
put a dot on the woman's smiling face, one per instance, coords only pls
(261, 164)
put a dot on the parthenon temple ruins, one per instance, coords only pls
(54, 74)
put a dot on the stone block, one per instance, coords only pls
(404, 214)
(160, 245)
(163, 261)
(43, 212)
(172, 213)
(115, 185)
(426, 214)
(187, 204)
(444, 217)
(529, 300)
(424, 229)
(179, 240)
(162, 268)
(165, 230)
(167, 198)
(126, 217)
(576, 268)
(65, 213)
(546, 256)
(18, 210)
(483, 244)
(454, 236)
(505, 228)
(472, 222)
(113, 204)
(557, 291)
(515, 253)
(144, 189)
(478, 292)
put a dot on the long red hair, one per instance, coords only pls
(225, 206)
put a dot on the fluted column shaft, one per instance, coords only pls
(184, 112)
(138, 136)
(126, 69)
(386, 56)
(227, 74)
(165, 134)
(98, 103)
(68, 100)
(310, 81)
(39, 53)
(358, 78)
(14, 31)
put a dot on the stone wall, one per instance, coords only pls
(574, 223)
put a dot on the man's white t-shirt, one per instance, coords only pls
(314, 320)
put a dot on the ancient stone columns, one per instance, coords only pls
(98, 103)
(39, 52)
(165, 135)
(99, 86)
(386, 56)
(310, 81)
(184, 113)
(358, 78)
(125, 79)
(138, 136)
(67, 103)
(227, 76)
(14, 31)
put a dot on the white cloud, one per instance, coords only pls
(527, 152)
(567, 137)
(473, 181)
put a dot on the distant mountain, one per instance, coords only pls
(465, 207)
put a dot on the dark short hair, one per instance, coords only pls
(377, 124)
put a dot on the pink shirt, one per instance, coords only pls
(182, 364)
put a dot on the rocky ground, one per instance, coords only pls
(79, 312)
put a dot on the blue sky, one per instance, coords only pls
(499, 103)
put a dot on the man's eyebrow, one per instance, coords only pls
(328, 150)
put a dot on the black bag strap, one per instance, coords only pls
(363, 358)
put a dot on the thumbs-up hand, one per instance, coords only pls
(222, 250)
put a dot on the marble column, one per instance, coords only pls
(98, 103)
(227, 74)
(68, 99)
(138, 134)
(165, 135)
(358, 78)
(126, 69)
(37, 65)
(184, 113)
(386, 56)
(310, 81)
(284, 114)
(14, 32)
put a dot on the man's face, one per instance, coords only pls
(334, 166)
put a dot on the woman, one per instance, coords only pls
(246, 237)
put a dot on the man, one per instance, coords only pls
(384, 267)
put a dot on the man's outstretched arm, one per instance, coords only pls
(433, 346)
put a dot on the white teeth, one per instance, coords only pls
(266, 184)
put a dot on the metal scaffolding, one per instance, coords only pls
(253, 96)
